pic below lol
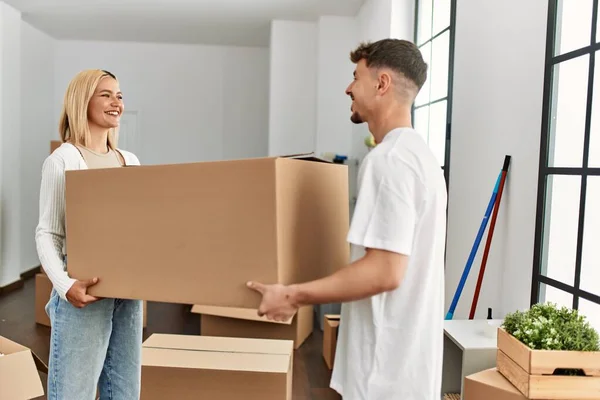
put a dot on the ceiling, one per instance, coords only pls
(221, 22)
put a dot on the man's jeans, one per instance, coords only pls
(95, 347)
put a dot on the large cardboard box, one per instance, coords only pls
(196, 233)
(43, 290)
(330, 334)
(243, 322)
(19, 366)
(490, 385)
(200, 367)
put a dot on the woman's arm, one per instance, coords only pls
(50, 232)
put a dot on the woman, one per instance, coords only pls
(95, 343)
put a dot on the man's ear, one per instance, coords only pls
(384, 80)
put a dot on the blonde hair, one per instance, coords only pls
(73, 124)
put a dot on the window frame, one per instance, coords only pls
(452, 29)
(545, 171)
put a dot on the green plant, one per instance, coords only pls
(547, 327)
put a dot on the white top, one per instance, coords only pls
(390, 345)
(50, 232)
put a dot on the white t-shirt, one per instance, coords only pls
(390, 345)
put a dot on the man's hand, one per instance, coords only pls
(277, 301)
(77, 294)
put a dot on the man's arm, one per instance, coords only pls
(377, 272)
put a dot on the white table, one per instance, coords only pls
(470, 346)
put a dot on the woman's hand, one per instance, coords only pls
(77, 294)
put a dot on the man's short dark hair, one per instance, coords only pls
(401, 56)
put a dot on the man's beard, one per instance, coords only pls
(356, 118)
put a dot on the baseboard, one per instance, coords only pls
(31, 272)
(11, 287)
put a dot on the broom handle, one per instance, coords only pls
(465, 275)
(489, 239)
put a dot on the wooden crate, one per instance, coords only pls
(531, 371)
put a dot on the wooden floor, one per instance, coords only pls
(311, 376)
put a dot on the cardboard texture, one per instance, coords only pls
(43, 290)
(245, 323)
(196, 233)
(19, 366)
(330, 332)
(192, 367)
(490, 385)
(54, 144)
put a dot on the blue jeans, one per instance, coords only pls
(95, 347)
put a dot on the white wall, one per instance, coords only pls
(403, 19)
(497, 107)
(374, 22)
(192, 101)
(37, 129)
(292, 87)
(10, 154)
(336, 38)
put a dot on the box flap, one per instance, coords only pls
(18, 373)
(220, 344)
(9, 347)
(249, 314)
(215, 360)
(218, 353)
(490, 382)
(307, 157)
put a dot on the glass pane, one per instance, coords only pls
(560, 230)
(421, 123)
(439, 66)
(573, 25)
(441, 15)
(425, 15)
(594, 157)
(567, 124)
(590, 255)
(591, 311)
(437, 130)
(550, 294)
(423, 96)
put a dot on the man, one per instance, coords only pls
(391, 330)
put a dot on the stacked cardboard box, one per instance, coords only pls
(195, 234)
(191, 367)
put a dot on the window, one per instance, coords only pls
(566, 267)
(434, 34)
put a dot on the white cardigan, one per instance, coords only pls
(50, 232)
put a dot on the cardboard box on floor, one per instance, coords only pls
(192, 367)
(19, 366)
(330, 333)
(490, 385)
(243, 322)
(43, 290)
(196, 233)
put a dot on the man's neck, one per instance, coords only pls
(392, 118)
